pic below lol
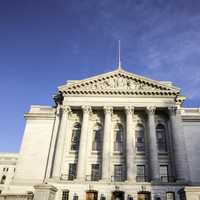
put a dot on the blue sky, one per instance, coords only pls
(43, 43)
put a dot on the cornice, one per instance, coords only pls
(190, 118)
(40, 115)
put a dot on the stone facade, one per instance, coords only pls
(113, 136)
(8, 162)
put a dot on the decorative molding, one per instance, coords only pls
(172, 110)
(151, 110)
(129, 110)
(86, 109)
(108, 109)
(66, 109)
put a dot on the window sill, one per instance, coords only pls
(140, 153)
(95, 152)
(117, 153)
(163, 153)
(73, 152)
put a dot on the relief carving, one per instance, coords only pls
(119, 83)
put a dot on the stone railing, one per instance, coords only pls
(28, 196)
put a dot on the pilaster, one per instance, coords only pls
(181, 164)
(60, 141)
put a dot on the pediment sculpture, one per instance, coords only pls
(118, 82)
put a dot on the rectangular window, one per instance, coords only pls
(95, 174)
(118, 146)
(140, 143)
(75, 140)
(65, 195)
(96, 141)
(118, 172)
(72, 171)
(164, 173)
(141, 173)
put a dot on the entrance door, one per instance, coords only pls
(144, 196)
(118, 195)
(91, 195)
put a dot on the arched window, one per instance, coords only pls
(76, 132)
(96, 138)
(161, 138)
(139, 138)
(3, 179)
(118, 138)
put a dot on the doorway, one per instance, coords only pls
(144, 196)
(91, 195)
(118, 195)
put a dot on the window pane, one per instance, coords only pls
(140, 141)
(96, 143)
(75, 137)
(95, 175)
(72, 171)
(141, 173)
(118, 138)
(118, 173)
(141, 170)
(164, 173)
(65, 195)
(161, 138)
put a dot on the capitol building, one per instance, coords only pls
(114, 136)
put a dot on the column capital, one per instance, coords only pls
(108, 109)
(87, 109)
(151, 110)
(173, 110)
(66, 109)
(129, 109)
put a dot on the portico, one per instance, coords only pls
(116, 135)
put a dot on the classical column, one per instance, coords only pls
(83, 144)
(130, 146)
(59, 147)
(180, 158)
(106, 143)
(155, 171)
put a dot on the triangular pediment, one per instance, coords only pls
(119, 82)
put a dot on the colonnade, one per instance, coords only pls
(130, 145)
